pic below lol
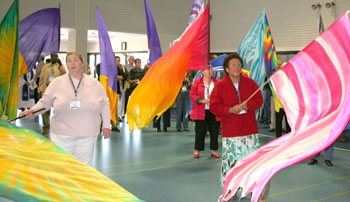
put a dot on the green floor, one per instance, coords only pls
(159, 167)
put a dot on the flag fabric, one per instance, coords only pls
(258, 51)
(200, 55)
(108, 67)
(155, 51)
(270, 54)
(314, 88)
(9, 65)
(197, 9)
(158, 89)
(35, 169)
(39, 36)
(320, 25)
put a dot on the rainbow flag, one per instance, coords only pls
(158, 89)
(35, 169)
(9, 65)
(109, 71)
(314, 88)
(39, 36)
(270, 54)
(155, 51)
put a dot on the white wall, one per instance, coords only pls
(293, 23)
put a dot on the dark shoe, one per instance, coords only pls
(312, 161)
(45, 131)
(262, 120)
(186, 130)
(178, 130)
(165, 129)
(271, 129)
(115, 129)
(159, 130)
(328, 163)
(267, 121)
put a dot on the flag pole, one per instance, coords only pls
(257, 90)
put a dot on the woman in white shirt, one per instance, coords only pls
(80, 104)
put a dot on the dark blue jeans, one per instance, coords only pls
(182, 102)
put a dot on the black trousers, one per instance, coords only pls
(201, 131)
(166, 120)
(279, 119)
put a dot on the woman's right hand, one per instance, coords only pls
(205, 101)
(27, 114)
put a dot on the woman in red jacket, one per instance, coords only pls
(200, 93)
(239, 127)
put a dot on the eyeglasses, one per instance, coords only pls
(235, 65)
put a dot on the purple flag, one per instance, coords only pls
(39, 36)
(108, 68)
(155, 51)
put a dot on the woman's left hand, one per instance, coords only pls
(106, 132)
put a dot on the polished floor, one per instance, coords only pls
(159, 167)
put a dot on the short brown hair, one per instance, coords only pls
(77, 54)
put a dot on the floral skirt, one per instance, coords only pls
(234, 149)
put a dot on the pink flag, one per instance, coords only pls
(314, 88)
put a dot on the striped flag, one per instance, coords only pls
(9, 66)
(39, 36)
(35, 169)
(270, 53)
(314, 88)
(158, 89)
(109, 71)
(155, 51)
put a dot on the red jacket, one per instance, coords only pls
(197, 91)
(225, 96)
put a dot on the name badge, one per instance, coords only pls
(242, 112)
(183, 89)
(75, 104)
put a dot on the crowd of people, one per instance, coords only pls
(221, 104)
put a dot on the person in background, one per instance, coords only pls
(128, 67)
(36, 79)
(328, 157)
(134, 77)
(122, 77)
(48, 73)
(182, 102)
(228, 102)
(200, 94)
(280, 113)
(80, 104)
(26, 90)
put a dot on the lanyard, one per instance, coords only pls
(237, 89)
(75, 89)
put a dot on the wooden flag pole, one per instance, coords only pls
(257, 90)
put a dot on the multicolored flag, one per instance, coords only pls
(108, 71)
(200, 55)
(9, 66)
(35, 169)
(155, 51)
(320, 26)
(39, 36)
(258, 50)
(270, 53)
(158, 89)
(197, 9)
(314, 88)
